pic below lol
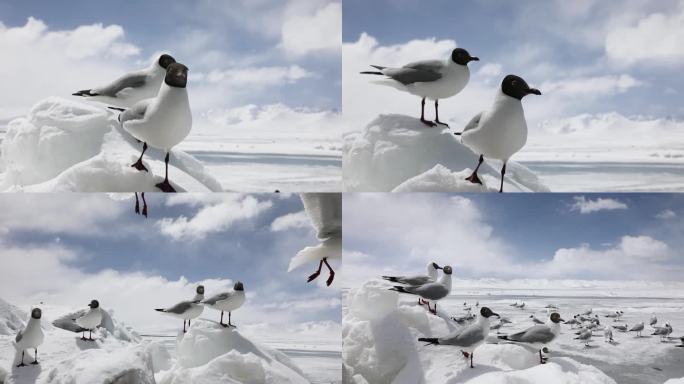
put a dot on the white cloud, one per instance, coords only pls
(291, 220)
(39, 62)
(666, 214)
(490, 70)
(213, 218)
(307, 31)
(585, 206)
(255, 76)
(655, 39)
(591, 86)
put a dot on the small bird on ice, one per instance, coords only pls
(621, 328)
(501, 131)
(228, 302)
(467, 338)
(663, 332)
(30, 337)
(90, 320)
(434, 291)
(637, 328)
(585, 336)
(162, 121)
(132, 87)
(429, 79)
(653, 321)
(535, 320)
(325, 212)
(417, 279)
(608, 335)
(537, 336)
(188, 309)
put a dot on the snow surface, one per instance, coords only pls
(380, 332)
(68, 145)
(398, 153)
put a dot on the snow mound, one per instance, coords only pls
(68, 145)
(209, 353)
(441, 178)
(393, 149)
(675, 381)
(11, 318)
(113, 357)
(114, 328)
(380, 333)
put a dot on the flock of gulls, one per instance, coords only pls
(474, 330)
(497, 133)
(154, 107)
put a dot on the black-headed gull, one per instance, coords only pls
(537, 336)
(30, 337)
(90, 320)
(417, 279)
(434, 291)
(188, 309)
(227, 302)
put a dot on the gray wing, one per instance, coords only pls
(325, 212)
(179, 308)
(131, 80)
(413, 280)
(464, 338)
(474, 122)
(221, 296)
(136, 112)
(19, 337)
(535, 334)
(426, 65)
(408, 76)
(432, 291)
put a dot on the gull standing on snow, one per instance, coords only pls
(538, 335)
(163, 121)
(637, 328)
(228, 302)
(325, 212)
(132, 87)
(608, 335)
(663, 332)
(621, 328)
(585, 336)
(417, 279)
(468, 338)
(90, 320)
(187, 310)
(535, 320)
(501, 131)
(30, 337)
(429, 79)
(653, 321)
(434, 291)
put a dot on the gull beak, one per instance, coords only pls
(534, 91)
(496, 314)
(474, 58)
(561, 320)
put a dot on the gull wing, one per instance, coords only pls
(537, 334)
(136, 112)
(221, 296)
(130, 80)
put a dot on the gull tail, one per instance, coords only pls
(504, 337)
(85, 92)
(399, 289)
(429, 340)
(378, 72)
(390, 278)
(160, 310)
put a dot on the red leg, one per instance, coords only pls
(332, 273)
(315, 274)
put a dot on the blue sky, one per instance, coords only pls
(261, 40)
(588, 57)
(518, 236)
(80, 242)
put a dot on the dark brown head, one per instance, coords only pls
(238, 286)
(556, 318)
(94, 304)
(462, 57)
(517, 88)
(36, 313)
(486, 312)
(176, 75)
(447, 270)
(165, 60)
(200, 289)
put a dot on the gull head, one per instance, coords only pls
(461, 57)
(238, 286)
(200, 289)
(556, 318)
(447, 270)
(176, 75)
(487, 313)
(165, 60)
(94, 304)
(517, 88)
(36, 313)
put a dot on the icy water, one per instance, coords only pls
(629, 360)
(609, 177)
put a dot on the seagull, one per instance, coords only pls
(417, 279)
(505, 320)
(434, 291)
(537, 336)
(522, 306)
(30, 337)
(132, 87)
(502, 131)
(325, 212)
(90, 320)
(429, 79)
(682, 340)
(663, 332)
(228, 302)
(463, 319)
(573, 321)
(653, 321)
(187, 310)
(638, 328)
(608, 335)
(162, 121)
(535, 320)
(587, 312)
(621, 328)
(585, 336)
(468, 338)
(137, 204)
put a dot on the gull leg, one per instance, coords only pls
(437, 115)
(473, 178)
(229, 323)
(83, 336)
(422, 114)
(22, 360)
(137, 204)
(471, 359)
(144, 210)
(165, 186)
(315, 274)
(221, 322)
(183, 326)
(139, 164)
(90, 335)
(503, 172)
(35, 357)
(332, 273)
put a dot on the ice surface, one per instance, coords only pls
(210, 353)
(380, 346)
(67, 145)
(11, 319)
(399, 152)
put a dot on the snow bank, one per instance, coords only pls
(396, 152)
(209, 353)
(68, 145)
(380, 333)
(115, 356)
(114, 328)
(11, 318)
